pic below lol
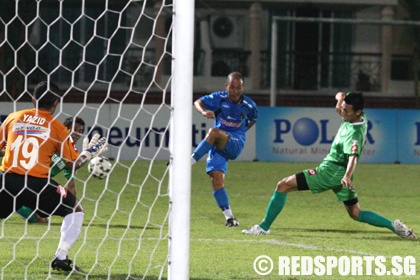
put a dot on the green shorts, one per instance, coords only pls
(328, 177)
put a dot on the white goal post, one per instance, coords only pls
(180, 175)
(102, 54)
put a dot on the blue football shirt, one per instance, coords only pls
(231, 117)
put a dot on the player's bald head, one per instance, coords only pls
(234, 76)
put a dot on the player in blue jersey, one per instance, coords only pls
(233, 113)
(335, 172)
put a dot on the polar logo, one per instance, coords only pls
(305, 131)
(418, 134)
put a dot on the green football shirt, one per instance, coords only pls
(327, 176)
(58, 165)
(349, 140)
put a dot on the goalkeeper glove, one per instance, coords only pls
(95, 147)
(93, 141)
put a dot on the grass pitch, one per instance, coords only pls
(126, 223)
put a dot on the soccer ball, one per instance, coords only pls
(99, 167)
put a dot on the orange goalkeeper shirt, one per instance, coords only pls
(31, 138)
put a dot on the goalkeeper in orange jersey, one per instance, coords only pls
(31, 138)
(76, 125)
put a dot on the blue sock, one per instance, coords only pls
(222, 198)
(201, 149)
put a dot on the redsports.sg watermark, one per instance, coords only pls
(333, 265)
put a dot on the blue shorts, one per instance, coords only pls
(218, 159)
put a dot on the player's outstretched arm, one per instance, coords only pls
(351, 166)
(199, 106)
(340, 99)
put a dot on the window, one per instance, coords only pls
(402, 69)
(71, 50)
(314, 55)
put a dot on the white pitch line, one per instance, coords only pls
(289, 244)
(268, 241)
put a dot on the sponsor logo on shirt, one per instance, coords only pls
(311, 172)
(31, 129)
(355, 146)
(230, 124)
(56, 160)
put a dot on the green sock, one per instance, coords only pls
(27, 213)
(375, 220)
(274, 208)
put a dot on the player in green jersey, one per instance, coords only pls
(335, 172)
(76, 126)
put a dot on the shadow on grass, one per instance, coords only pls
(373, 234)
(113, 226)
(80, 276)
(333, 230)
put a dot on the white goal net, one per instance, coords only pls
(115, 63)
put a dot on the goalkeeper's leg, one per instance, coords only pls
(70, 231)
(61, 202)
(29, 214)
